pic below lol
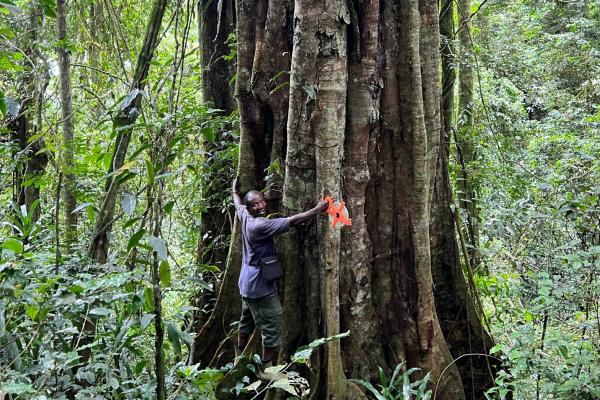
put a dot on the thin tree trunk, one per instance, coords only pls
(447, 50)
(159, 332)
(465, 141)
(31, 161)
(127, 115)
(67, 120)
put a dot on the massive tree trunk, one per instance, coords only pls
(465, 141)
(126, 116)
(67, 122)
(364, 125)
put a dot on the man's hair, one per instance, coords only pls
(250, 194)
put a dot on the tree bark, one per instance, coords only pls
(126, 116)
(364, 124)
(362, 349)
(465, 141)
(31, 160)
(216, 21)
(447, 50)
(67, 121)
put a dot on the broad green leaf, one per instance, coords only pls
(145, 320)
(208, 134)
(369, 387)
(253, 386)
(100, 311)
(169, 207)
(128, 202)
(149, 298)
(16, 388)
(139, 367)
(135, 239)
(160, 247)
(13, 245)
(173, 337)
(284, 384)
(165, 273)
(32, 310)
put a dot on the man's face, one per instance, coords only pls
(257, 206)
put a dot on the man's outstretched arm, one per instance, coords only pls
(306, 215)
(235, 193)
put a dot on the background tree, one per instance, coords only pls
(126, 116)
(67, 117)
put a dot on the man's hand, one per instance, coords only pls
(321, 206)
(235, 193)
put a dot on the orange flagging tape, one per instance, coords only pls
(337, 214)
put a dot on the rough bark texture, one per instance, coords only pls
(262, 106)
(127, 115)
(363, 350)
(215, 24)
(364, 124)
(67, 128)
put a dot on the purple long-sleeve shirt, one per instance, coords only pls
(257, 242)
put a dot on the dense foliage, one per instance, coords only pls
(536, 177)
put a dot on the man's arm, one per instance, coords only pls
(306, 215)
(235, 193)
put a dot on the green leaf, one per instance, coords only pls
(2, 103)
(135, 239)
(139, 367)
(151, 173)
(160, 247)
(100, 312)
(149, 298)
(50, 10)
(145, 320)
(208, 134)
(173, 336)
(131, 222)
(2, 319)
(169, 207)
(13, 245)
(165, 273)
(32, 310)
(369, 387)
(128, 202)
(16, 388)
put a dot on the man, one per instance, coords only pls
(260, 303)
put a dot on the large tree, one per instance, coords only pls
(363, 123)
